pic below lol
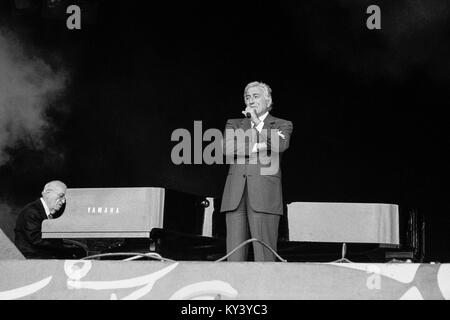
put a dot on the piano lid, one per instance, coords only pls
(344, 222)
(108, 213)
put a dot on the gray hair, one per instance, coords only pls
(264, 87)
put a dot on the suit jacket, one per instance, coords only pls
(260, 170)
(28, 236)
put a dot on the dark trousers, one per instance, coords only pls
(262, 226)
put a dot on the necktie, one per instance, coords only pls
(255, 133)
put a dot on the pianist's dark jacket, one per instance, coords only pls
(28, 236)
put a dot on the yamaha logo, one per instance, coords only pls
(103, 210)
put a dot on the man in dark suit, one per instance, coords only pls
(252, 197)
(28, 236)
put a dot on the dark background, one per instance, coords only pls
(368, 106)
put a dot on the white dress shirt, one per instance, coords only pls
(259, 127)
(47, 210)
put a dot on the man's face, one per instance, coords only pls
(56, 198)
(254, 98)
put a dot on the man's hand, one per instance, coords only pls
(252, 112)
(259, 147)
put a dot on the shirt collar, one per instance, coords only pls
(47, 210)
(262, 117)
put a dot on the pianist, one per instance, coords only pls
(28, 236)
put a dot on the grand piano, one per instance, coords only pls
(108, 213)
(111, 220)
(101, 220)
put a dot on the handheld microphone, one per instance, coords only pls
(205, 203)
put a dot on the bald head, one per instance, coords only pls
(54, 185)
(54, 195)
